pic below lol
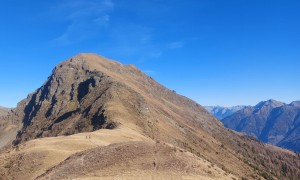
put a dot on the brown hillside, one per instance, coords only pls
(107, 154)
(89, 92)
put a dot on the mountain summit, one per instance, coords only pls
(96, 117)
(269, 103)
(89, 92)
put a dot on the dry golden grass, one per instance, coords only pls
(36, 157)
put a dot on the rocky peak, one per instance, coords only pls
(78, 94)
(269, 104)
(67, 103)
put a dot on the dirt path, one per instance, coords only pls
(89, 138)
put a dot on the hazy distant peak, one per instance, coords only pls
(295, 104)
(3, 111)
(269, 103)
(222, 112)
(4, 108)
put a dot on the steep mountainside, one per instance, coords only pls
(173, 136)
(270, 121)
(222, 112)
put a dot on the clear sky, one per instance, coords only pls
(217, 52)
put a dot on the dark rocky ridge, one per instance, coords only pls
(271, 122)
(67, 103)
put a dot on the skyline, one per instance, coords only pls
(214, 52)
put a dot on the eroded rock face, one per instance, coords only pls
(71, 101)
(76, 96)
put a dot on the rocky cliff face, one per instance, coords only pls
(88, 92)
(270, 121)
(67, 103)
(76, 96)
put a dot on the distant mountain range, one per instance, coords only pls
(3, 111)
(269, 121)
(222, 112)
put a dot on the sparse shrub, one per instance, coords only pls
(284, 169)
(266, 176)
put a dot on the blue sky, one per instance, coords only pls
(214, 51)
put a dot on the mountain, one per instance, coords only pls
(8, 130)
(270, 121)
(222, 112)
(97, 118)
(3, 111)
